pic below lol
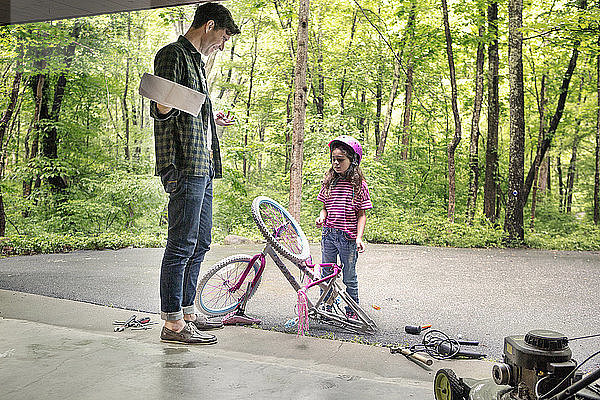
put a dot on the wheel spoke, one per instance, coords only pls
(280, 229)
(214, 292)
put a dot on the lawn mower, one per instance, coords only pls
(536, 366)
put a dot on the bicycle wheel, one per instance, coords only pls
(213, 296)
(280, 229)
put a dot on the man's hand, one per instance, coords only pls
(163, 109)
(224, 120)
(360, 245)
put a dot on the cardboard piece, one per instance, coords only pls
(171, 94)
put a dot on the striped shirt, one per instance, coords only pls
(342, 207)
(180, 138)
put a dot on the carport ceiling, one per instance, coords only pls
(23, 11)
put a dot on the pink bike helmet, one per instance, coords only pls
(349, 141)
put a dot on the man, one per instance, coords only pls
(187, 159)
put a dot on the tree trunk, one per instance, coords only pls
(126, 91)
(378, 98)
(513, 222)
(453, 144)
(561, 186)
(474, 144)
(141, 113)
(491, 153)
(408, 83)
(261, 139)
(597, 150)
(126, 112)
(8, 113)
(249, 100)
(409, 33)
(544, 178)
(408, 89)
(37, 87)
(288, 138)
(576, 139)
(286, 26)
(6, 117)
(541, 111)
(319, 88)
(560, 106)
(343, 88)
(230, 70)
(545, 145)
(50, 139)
(18, 146)
(390, 107)
(42, 111)
(300, 92)
(361, 118)
(571, 175)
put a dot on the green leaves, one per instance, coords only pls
(59, 243)
(353, 62)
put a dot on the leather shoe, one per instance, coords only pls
(204, 324)
(188, 335)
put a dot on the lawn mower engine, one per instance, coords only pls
(534, 364)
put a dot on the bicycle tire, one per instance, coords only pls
(212, 294)
(269, 215)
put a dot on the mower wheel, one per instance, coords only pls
(446, 386)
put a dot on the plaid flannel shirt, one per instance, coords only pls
(180, 138)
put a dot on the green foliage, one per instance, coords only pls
(59, 243)
(113, 200)
(584, 237)
(430, 230)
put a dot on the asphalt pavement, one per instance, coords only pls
(56, 313)
(476, 294)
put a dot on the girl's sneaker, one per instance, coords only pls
(350, 314)
(327, 307)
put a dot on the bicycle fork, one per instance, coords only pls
(239, 317)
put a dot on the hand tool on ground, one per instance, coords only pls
(134, 324)
(126, 324)
(411, 355)
(450, 349)
(415, 329)
(441, 346)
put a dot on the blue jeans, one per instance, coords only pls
(334, 243)
(188, 240)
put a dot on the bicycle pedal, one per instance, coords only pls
(240, 320)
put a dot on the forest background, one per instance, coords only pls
(425, 86)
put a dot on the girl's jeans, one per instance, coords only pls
(188, 240)
(334, 243)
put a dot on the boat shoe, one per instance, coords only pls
(205, 324)
(188, 335)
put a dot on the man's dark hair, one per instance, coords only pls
(218, 13)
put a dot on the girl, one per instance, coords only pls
(345, 198)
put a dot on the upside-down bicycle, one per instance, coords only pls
(226, 288)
